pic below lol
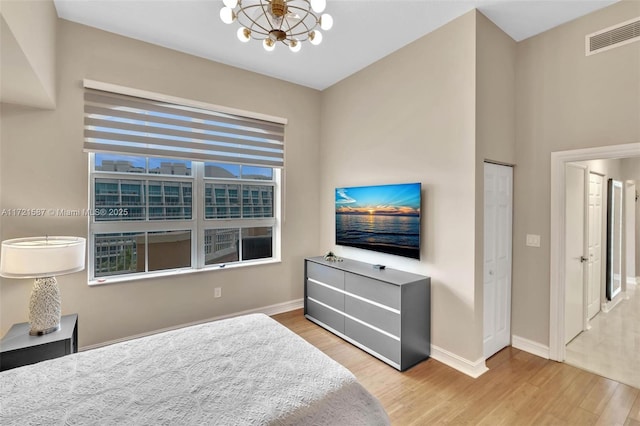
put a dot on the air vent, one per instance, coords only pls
(612, 37)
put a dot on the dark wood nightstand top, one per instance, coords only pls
(18, 336)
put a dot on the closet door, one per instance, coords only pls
(498, 207)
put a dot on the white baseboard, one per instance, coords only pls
(530, 346)
(470, 368)
(278, 308)
(633, 280)
(267, 310)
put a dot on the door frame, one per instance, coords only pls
(557, 348)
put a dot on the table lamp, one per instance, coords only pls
(42, 258)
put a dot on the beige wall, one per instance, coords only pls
(43, 166)
(495, 93)
(28, 54)
(495, 126)
(410, 117)
(564, 101)
(432, 112)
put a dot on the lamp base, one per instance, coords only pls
(44, 307)
(43, 332)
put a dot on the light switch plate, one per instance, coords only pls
(533, 240)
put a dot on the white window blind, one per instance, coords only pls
(121, 124)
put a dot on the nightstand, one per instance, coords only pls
(18, 348)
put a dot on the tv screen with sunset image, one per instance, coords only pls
(384, 218)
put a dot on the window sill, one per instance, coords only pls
(177, 272)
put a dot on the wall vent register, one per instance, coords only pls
(612, 37)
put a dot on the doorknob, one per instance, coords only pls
(583, 259)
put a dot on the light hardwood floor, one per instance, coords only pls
(518, 389)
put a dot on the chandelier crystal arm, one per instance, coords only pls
(252, 24)
(302, 20)
(302, 35)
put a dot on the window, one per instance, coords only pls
(212, 203)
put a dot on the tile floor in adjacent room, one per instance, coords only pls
(611, 348)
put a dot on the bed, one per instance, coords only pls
(248, 370)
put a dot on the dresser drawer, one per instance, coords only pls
(325, 315)
(377, 291)
(326, 275)
(372, 339)
(327, 295)
(373, 315)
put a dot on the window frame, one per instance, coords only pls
(198, 223)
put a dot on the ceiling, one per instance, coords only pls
(364, 30)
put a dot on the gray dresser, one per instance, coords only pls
(385, 312)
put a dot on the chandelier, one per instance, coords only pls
(288, 21)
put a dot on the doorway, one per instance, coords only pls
(557, 350)
(606, 343)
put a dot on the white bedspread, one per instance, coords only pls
(248, 370)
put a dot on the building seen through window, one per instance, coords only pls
(237, 208)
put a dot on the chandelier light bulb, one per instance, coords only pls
(268, 44)
(315, 37)
(295, 46)
(230, 3)
(227, 15)
(326, 22)
(318, 5)
(244, 34)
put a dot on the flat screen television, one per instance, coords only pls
(384, 218)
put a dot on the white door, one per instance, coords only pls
(575, 315)
(498, 207)
(594, 275)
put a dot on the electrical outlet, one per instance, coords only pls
(217, 292)
(533, 240)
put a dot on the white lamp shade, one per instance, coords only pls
(326, 22)
(38, 257)
(317, 38)
(244, 34)
(226, 15)
(268, 44)
(295, 47)
(318, 5)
